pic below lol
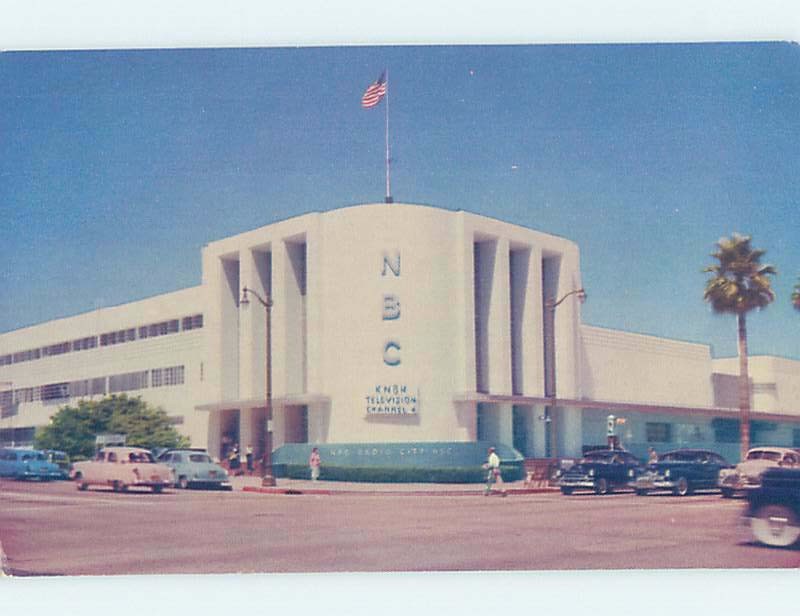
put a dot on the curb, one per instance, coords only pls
(323, 492)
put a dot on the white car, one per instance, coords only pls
(121, 468)
(747, 474)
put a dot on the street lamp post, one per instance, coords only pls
(268, 479)
(550, 363)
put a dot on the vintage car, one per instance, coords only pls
(22, 463)
(747, 474)
(121, 468)
(195, 468)
(682, 472)
(773, 508)
(601, 471)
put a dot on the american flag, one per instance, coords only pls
(375, 92)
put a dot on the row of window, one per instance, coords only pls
(725, 430)
(129, 381)
(150, 330)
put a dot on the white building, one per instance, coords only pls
(390, 324)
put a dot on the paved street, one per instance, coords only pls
(54, 529)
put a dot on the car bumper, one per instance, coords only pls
(653, 483)
(47, 476)
(576, 483)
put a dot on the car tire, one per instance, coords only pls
(601, 486)
(682, 487)
(726, 492)
(566, 491)
(183, 483)
(640, 492)
(79, 483)
(775, 525)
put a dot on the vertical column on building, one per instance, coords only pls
(280, 316)
(229, 327)
(568, 354)
(294, 348)
(499, 326)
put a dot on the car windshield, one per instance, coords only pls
(680, 456)
(140, 456)
(200, 457)
(764, 455)
(600, 457)
(33, 456)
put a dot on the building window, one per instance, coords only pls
(192, 322)
(55, 391)
(725, 430)
(127, 381)
(658, 432)
(98, 386)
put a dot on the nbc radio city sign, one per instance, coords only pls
(391, 398)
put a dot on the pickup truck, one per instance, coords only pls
(121, 468)
(773, 508)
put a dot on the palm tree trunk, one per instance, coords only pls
(744, 387)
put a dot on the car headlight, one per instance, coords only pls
(630, 472)
(666, 473)
(591, 472)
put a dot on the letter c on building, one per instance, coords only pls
(389, 358)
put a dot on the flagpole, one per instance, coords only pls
(388, 185)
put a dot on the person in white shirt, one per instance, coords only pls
(493, 475)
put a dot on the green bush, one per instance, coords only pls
(397, 475)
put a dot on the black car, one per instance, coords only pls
(602, 471)
(682, 472)
(773, 508)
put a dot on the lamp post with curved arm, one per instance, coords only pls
(550, 363)
(268, 479)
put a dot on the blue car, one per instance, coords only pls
(195, 468)
(27, 464)
(682, 472)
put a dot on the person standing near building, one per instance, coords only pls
(652, 456)
(249, 459)
(493, 475)
(314, 462)
(233, 459)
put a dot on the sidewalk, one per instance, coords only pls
(332, 488)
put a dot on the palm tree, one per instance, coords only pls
(796, 295)
(740, 283)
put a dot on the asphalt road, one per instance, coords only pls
(52, 529)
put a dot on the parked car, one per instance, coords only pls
(22, 463)
(682, 472)
(195, 468)
(61, 460)
(602, 471)
(121, 468)
(773, 508)
(747, 474)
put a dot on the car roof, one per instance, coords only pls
(124, 450)
(186, 450)
(775, 449)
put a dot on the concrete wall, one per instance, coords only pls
(625, 367)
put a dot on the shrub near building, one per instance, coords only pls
(73, 428)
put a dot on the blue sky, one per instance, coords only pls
(116, 167)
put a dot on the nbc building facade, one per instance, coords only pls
(394, 329)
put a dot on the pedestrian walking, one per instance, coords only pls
(249, 458)
(652, 456)
(314, 462)
(493, 475)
